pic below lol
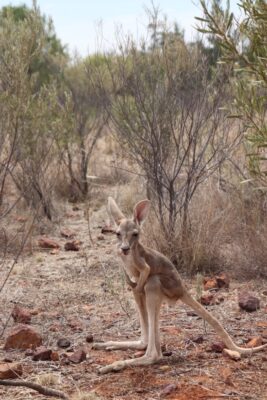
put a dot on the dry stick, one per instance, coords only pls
(35, 386)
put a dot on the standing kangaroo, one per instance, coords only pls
(153, 279)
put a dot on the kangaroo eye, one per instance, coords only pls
(118, 234)
(135, 234)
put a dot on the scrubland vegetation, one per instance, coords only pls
(183, 124)
(189, 119)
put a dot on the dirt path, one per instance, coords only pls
(82, 293)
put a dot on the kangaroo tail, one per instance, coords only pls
(202, 312)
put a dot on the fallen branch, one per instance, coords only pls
(35, 386)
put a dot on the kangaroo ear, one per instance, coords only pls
(141, 210)
(114, 211)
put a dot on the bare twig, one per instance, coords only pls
(35, 386)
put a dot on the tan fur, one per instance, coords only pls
(153, 279)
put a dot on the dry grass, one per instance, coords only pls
(48, 379)
(228, 231)
(85, 396)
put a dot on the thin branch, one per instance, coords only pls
(35, 386)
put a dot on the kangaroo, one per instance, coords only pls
(153, 279)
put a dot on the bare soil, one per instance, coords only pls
(76, 294)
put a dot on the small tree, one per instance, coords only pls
(46, 64)
(243, 44)
(167, 115)
(32, 119)
(89, 120)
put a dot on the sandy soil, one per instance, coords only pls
(80, 293)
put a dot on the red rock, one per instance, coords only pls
(248, 302)
(42, 354)
(210, 283)
(72, 246)
(78, 356)
(206, 299)
(217, 347)
(223, 280)
(46, 243)
(23, 337)
(10, 370)
(54, 356)
(89, 338)
(21, 315)
(219, 281)
(67, 233)
(254, 342)
(198, 339)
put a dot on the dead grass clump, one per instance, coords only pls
(227, 232)
(85, 396)
(48, 379)
(130, 194)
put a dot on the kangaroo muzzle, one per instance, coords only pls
(125, 248)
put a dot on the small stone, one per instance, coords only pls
(23, 337)
(198, 339)
(264, 334)
(54, 251)
(63, 343)
(234, 355)
(74, 245)
(248, 302)
(168, 389)
(217, 347)
(167, 353)
(89, 338)
(42, 354)
(67, 233)
(210, 283)
(78, 356)
(21, 315)
(46, 243)
(206, 299)
(223, 280)
(54, 356)
(8, 359)
(254, 342)
(10, 370)
(100, 237)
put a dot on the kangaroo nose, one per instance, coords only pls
(125, 248)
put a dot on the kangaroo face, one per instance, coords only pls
(128, 234)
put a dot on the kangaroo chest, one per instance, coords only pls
(129, 266)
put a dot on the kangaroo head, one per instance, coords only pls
(128, 229)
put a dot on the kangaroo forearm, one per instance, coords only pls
(144, 274)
